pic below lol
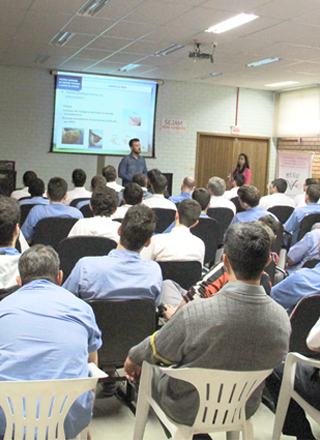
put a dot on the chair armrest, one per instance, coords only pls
(293, 358)
(289, 240)
(95, 371)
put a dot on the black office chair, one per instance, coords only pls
(310, 264)
(164, 218)
(185, 273)
(8, 291)
(71, 249)
(281, 212)
(236, 202)
(303, 318)
(208, 230)
(51, 230)
(74, 202)
(223, 216)
(86, 211)
(24, 211)
(307, 222)
(271, 271)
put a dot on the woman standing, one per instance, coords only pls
(242, 168)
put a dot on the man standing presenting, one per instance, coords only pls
(133, 163)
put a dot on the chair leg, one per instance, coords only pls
(232, 435)
(143, 404)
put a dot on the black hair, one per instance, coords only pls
(313, 192)
(133, 193)
(140, 179)
(247, 246)
(9, 218)
(79, 177)
(104, 201)
(271, 222)
(110, 173)
(57, 189)
(280, 184)
(189, 211)
(246, 165)
(159, 183)
(249, 194)
(36, 188)
(152, 173)
(98, 181)
(239, 179)
(28, 177)
(137, 227)
(310, 181)
(39, 263)
(132, 141)
(202, 196)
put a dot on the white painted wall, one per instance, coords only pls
(26, 119)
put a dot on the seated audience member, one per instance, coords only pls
(55, 334)
(57, 193)
(5, 187)
(249, 197)
(293, 223)
(9, 232)
(305, 249)
(274, 226)
(238, 181)
(110, 174)
(216, 188)
(141, 180)
(132, 195)
(103, 203)
(179, 244)
(301, 283)
(277, 197)
(239, 329)
(95, 182)
(299, 200)
(36, 191)
(159, 184)
(187, 187)
(123, 268)
(307, 384)
(27, 178)
(79, 179)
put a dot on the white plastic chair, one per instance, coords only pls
(37, 409)
(223, 395)
(287, 392)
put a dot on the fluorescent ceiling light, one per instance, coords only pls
(62, 38)
(168, 50)
(210, 75)
(92, 7)
(129, 67)
(261, 62)
(41, 59)
(285, 83)
(233, 22)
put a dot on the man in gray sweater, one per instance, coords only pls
(240, 328)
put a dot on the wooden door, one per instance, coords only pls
(217, 155)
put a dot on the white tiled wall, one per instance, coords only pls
(26, 119)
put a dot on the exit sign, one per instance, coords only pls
(235, 129)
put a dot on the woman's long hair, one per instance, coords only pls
(246, 165)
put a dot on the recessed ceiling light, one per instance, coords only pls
(285, 83)
(92, 7)
(168, 50)
(210, 75)
(233, 22)
(62, 38)
(261, 62)
(129, 67)
(41, 59)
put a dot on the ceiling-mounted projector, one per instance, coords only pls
(198, 55)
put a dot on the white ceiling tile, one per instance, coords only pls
(11, 16)
(89, 25)
(236, 6)
(80, 40)
(283, 9)
(63, 6)
(110, 44)
(154, 11)
(117, 10)
(75, 64)
(21, 4)
(7, 33)
(92, 54)
(130, 29)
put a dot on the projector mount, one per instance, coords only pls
(198, 55)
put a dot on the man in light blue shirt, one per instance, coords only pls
(293, 223)
(122, 273)
(249, 197)
(57, 193)
(187, 187)
(47, 333)
(301, 283)
(305, 249)
(36, 190)
(132, 164)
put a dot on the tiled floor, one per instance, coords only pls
(114, 421)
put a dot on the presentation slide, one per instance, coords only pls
(99, 114)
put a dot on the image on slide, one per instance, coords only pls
(72, 136)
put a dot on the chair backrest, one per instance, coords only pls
(208, 230)
(307, 222)
(71, 249)
(37, 409)
(124, 323)
(24, 211)
(86, 211)
(74, 202)
(223, 216)
(281, 212)
(236, 202)
(222, 394)
(304, 316)
(164, 218)
(310, 264)
(185, 273)
(52, 230)
(271, 271)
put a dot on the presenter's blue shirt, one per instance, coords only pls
(293, 223)
(43, 211)
(120, 270)
(129, 166)
(47, 333)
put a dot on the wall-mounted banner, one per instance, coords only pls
(173, 124)
(295, 168)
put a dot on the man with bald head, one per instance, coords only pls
(187, 187)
